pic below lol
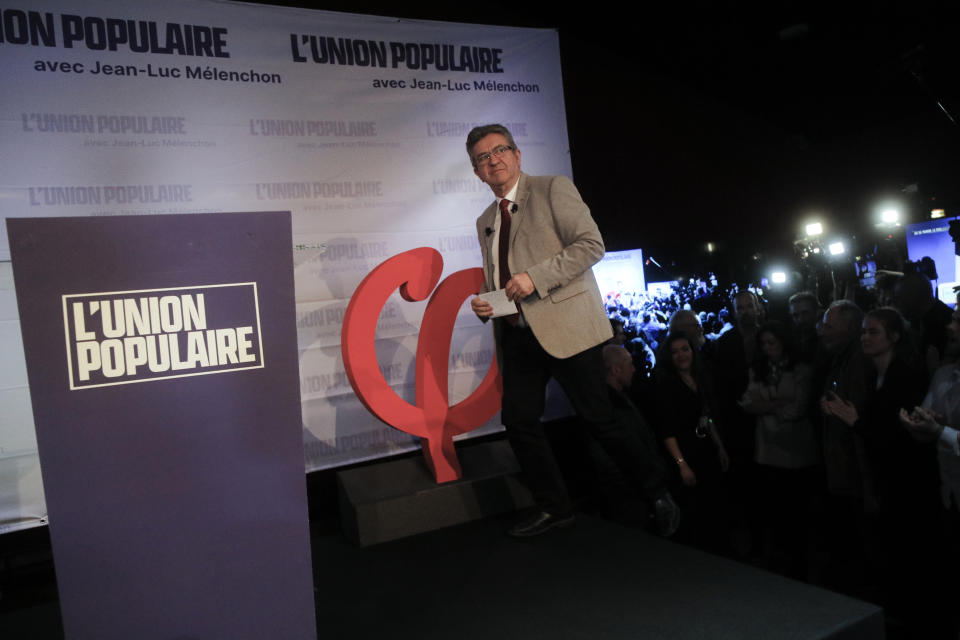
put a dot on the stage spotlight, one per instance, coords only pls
(937, 213)
(890, 216)
(814, 229)
(836, 248)
(710, 247)
(778, 277)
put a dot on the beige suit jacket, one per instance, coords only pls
(555, 241)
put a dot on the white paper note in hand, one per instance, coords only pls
(501, 306)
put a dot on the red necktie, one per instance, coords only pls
(503, 265)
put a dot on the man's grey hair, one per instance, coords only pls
(679, 315)
(478, 133)
(851, 314)
(614, 354)
(808, 297)
(743, 293)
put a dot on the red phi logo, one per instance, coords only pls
(416, 273)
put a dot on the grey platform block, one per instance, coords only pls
(399, 498)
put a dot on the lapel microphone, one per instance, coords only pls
(514, 208)
(488, 231)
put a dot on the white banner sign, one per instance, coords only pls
(356, 124)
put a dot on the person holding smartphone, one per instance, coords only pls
(904, 469)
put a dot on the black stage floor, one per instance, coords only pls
(595, 580)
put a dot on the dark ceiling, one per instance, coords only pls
(743, 131)
(735, 129)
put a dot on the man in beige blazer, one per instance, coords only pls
(561, 325)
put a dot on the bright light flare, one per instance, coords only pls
(836, 248)
(814, 229)
(778, 277)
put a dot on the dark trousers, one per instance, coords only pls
(526, 370)
(786, 500)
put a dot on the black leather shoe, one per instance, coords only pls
(538, 523)
(666, 513)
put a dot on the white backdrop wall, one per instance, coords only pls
(355, 124)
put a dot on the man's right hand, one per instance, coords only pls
(921, 424)
(481, 307)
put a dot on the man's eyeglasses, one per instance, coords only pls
(484, 158)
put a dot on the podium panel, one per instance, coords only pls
(162, 361)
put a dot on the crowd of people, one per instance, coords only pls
(805, 437)
(769, 433)
(640, 319)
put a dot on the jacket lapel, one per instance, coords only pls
(487, 220)
(523, 193)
